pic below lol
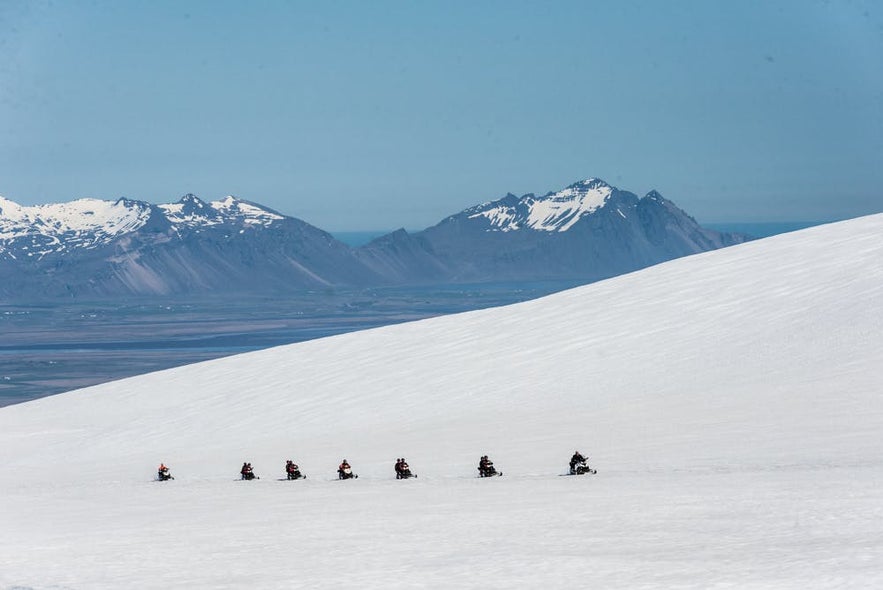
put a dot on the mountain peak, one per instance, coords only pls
(7, 207)
(228, 201)
(590, 183)
(235, 208)
(191, 198)
(553, 212)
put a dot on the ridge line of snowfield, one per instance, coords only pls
(732, 402)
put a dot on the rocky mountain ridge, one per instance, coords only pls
(93, 248)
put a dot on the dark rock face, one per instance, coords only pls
(90, 248)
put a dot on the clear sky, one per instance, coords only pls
(378, 115)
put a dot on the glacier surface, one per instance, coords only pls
(732, 402)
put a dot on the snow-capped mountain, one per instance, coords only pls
(191, 212)
(587, 231)
(554, 212)
(51, 229)
(45, 230)
(91, 248)
(730, 401)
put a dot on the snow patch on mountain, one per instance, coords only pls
(84, 223)
(554, 212)
(81, 215)
(250, 213)
(89, 223)
(192, 212)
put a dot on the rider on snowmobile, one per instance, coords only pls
(162, 472)
(292, 471)
(344, 470)
(403, 471)
(486, 467)
(247, 472)
(577, 459)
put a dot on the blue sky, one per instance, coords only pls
(377, 115)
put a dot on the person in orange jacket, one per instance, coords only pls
(345, 471)
(162, 473)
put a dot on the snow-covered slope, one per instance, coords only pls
(732, 402)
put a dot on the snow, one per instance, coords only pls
(560, 211)
(501, 218)
(732, 402)
(173, 211)
(87, 223)
(219, 212)
(251, 212)
(83, 222)
(553, 212)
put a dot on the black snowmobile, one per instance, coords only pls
(163, 475)
(581, 469)
(247, 473)
(488, 471)
(346, 472)
(486, 468)
(404, 472)
(578, 465)
(292, 471)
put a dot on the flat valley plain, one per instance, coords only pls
(52, 347)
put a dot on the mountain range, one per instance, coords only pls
(92, 248)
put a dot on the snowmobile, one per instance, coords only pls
(405, 473)
(247, 472)
(488, 471)
(163, 475)
(582, 469)
(346, 473)
(292, 471)
(486, 467)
